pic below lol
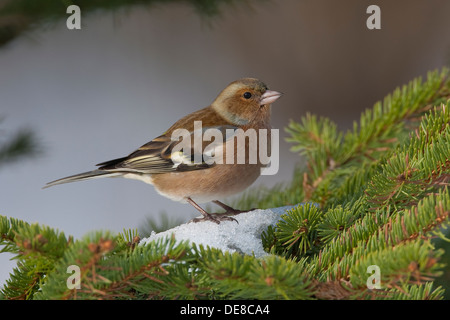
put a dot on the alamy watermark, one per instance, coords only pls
(227, 146)
(373, 22)
(74, 280)
(74, 20)
(374, 280)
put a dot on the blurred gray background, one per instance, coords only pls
(98, 93)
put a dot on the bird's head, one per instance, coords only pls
(245, 101)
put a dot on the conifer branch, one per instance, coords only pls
(380, 129)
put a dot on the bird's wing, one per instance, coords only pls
(169, 154)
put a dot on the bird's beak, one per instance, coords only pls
(269, 97)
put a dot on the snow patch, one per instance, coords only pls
(243, 237)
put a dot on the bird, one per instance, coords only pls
(179, 174)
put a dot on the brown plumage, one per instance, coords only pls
(243, 104)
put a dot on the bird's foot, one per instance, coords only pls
(229, 210)
(214, 217)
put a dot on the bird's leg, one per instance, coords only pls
(230, 210)
(208, 216)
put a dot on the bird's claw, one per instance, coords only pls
(234, 212)
(214, 217)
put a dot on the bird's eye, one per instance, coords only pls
(247, 95)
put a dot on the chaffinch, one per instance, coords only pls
(180, 174)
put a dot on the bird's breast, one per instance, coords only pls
(215, 183)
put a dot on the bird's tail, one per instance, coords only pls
(83, 176)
